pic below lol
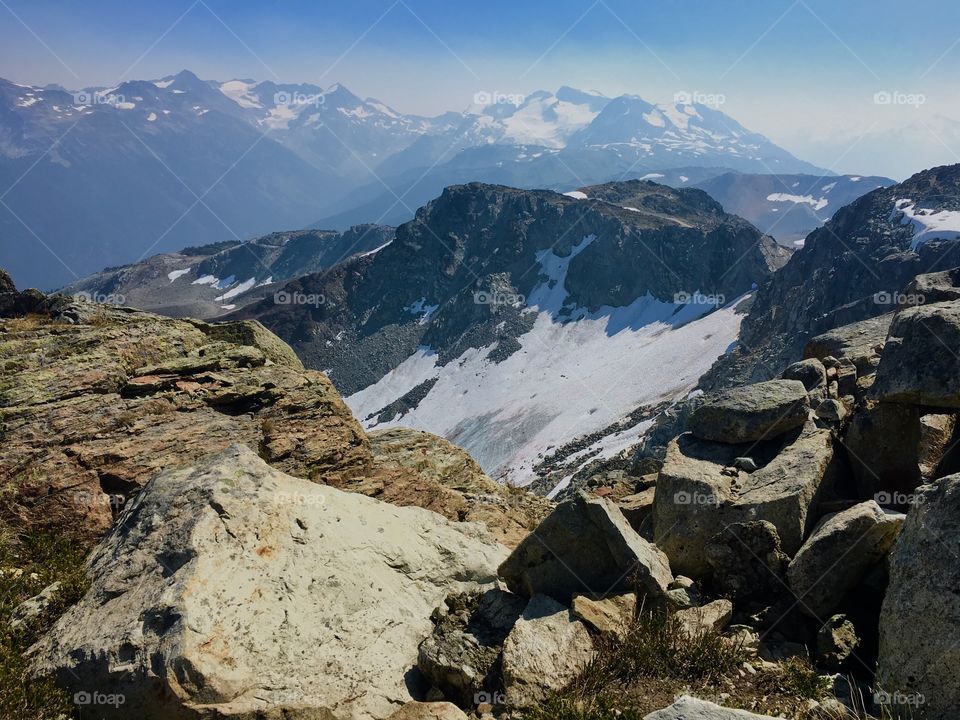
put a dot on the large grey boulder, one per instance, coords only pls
(230, 588)
(920, 619)
(859, 342)
(751, 412)
(547, 648)
(699, 493)
(921, 363)
(690, 708)
(586, 545)
(839, 553)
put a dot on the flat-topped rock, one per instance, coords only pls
(921, 363)
(700, 492)
(751, 412)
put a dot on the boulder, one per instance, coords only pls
(228, 587)
(102, 398)
(546, 649)
(920, 619)
(812, 374)
(920, 363)
(34, 607)
(831, 411)
(637, 507)
(751, 412)
(936, 435)
(429, 711)
(839, 553)
(699, 493)
(860, 342)
(935, 287)
(6, 282)
(461, 657)
(586, 546)
(836, 642)
(690, 708)
(712, 617)
(608, 616)
(747, 561)
(882, 442)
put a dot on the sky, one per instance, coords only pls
(851, 85)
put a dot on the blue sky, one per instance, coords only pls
(802, 72)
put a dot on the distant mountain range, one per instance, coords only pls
(106, 176)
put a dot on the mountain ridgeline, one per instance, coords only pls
(537, 294)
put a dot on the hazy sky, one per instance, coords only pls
(805, 73)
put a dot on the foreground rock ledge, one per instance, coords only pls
(230, 588)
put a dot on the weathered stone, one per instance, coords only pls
(696, 498)
(836, 642)
(230, 587)
(935, 287)
(34, 607)
(920, 363)
(751, 412)
(882, 443)
(842, 549)
(747, 560)
(812, 373)
(83, 431)
(546, 649)
(429, 711)
(461, 657)
(920, 620)
(637, 507)
(608, 616)
(858, 342)
(690, 708)
(586, 546)
(832, 411)
(712, 617)
(6, 282)
(936, 434)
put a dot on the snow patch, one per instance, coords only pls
(815, 203)
(927, 224)
(238, 290)
(173, 275)
(576, 195)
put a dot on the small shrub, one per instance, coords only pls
(29, 564)
(658, 646)
(559, 708)
(800, 678)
